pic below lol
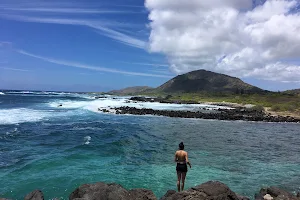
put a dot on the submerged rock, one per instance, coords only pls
(113, 191)
(35, 195)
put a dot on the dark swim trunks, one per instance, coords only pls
(181, 167)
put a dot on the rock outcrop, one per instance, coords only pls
(274, 193)
(113, 191)
(35, 195)
(212, 190)
(206, 191)
(221, 114)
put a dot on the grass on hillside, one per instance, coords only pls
(278, 102)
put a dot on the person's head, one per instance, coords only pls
(181, 146)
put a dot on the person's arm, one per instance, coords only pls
(175, 157)
(187, 160)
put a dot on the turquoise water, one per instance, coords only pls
(58, 149)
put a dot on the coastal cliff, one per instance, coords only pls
(212, 190)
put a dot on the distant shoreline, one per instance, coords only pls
(248, 112)
(220, 114)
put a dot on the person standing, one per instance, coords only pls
(181, 158)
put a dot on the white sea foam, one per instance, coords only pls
(1, 93)
(20, 115)
(87, 139)
(110, 103)
(60, 94)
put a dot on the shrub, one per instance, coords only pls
(258, 108)
(275, 108)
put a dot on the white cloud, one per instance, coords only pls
(70, 10)
(15, 69)
(89, 67)
(102, 27)
(233, 37)
(5, 44)
(147, 64)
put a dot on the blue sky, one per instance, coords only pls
(98, 46)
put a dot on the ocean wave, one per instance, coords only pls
(21, 115)
(1, 93)
(110, 103)
(51, 94)
(87, 139)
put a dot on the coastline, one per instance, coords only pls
(230, 111)
(267, 110)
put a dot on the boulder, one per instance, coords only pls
(142, 194)
(243, 197)
(206, 191)
(35, 195)
(168, 194)
(274, 193)
(113, 191)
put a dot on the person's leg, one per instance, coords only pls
(178, 180)
(183, 175)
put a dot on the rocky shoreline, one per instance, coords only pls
(236, 111)
(212, 190)
(220, 114)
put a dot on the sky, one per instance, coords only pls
(101, 45)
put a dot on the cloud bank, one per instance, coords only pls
(244, 38)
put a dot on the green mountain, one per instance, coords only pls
(131, 90)
(196, 82)
(207, 81)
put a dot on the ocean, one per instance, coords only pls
(57, 148)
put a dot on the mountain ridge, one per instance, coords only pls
(207, 81)
(196, 82)
(131, 90)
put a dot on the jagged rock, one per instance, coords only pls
(168, 194)
(275, 194)
(223, 114)
(243, 197)
(212, 190)
(206, 191)
(35, 195)
(101, 97)
(113, 191)
(142, 194)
